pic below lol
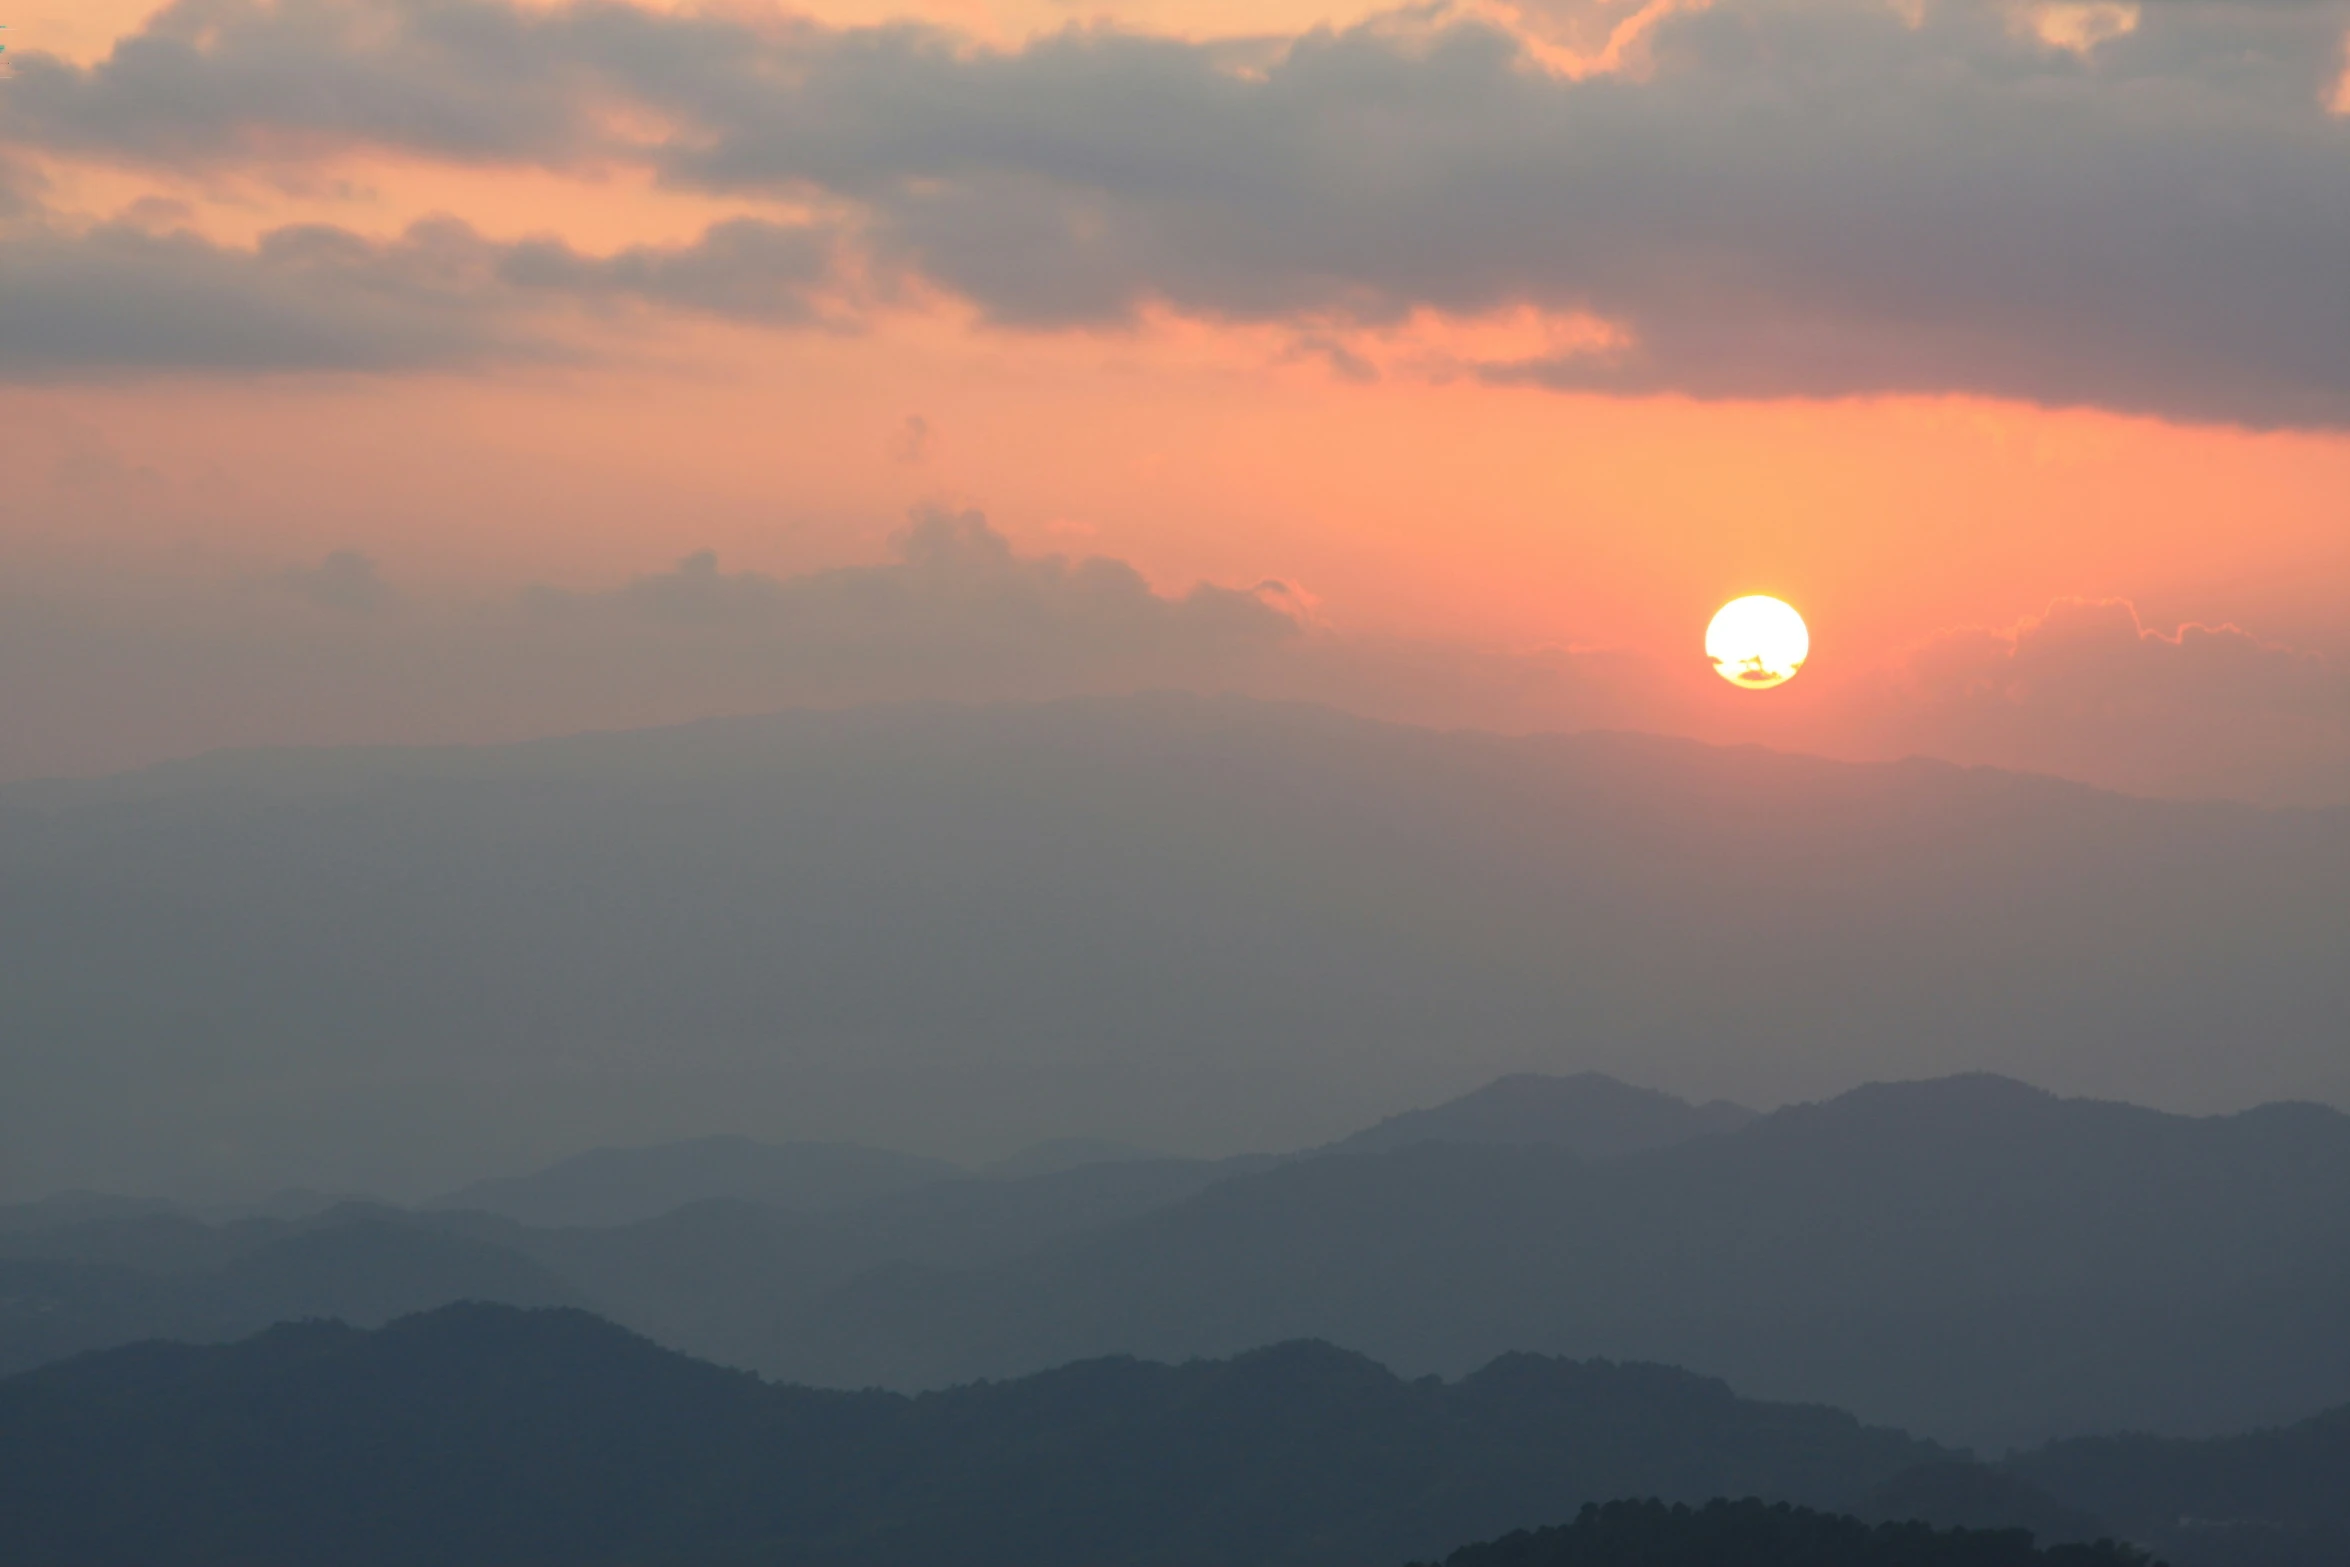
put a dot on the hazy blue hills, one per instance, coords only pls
(1588, 1113)
(103, 1283)
(622, 1185)
(1056, 1154)
(484, 1435)
(2275, 1498)
(1211, 925)
(723, 1278)
(1969, 1256)
(711, 1245)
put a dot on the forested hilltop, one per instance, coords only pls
(1750, 1533)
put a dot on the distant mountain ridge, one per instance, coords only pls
(1589, 1113)
(484, 1437)
(2278, 1497)
(100, 1286)
(1752, 1533)
(1174, 921)
(719, 1277)
(1968, 1257)
(625, 1185)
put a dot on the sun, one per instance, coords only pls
(1757, 642)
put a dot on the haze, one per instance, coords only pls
(1175, 783)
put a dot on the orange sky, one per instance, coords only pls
(1417, 506)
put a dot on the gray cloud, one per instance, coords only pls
(2089, 656)
(345, 580)
(119, 298)
(958, 613)
(1809, 199)
(960, 602)
(2087, 689)
(122, 298)
(208, 81)
(91, 683)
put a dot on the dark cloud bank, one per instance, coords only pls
(1786, 200)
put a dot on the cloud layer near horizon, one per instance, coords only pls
(337, 651)
(1783, 199)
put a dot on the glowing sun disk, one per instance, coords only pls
(1757, 642)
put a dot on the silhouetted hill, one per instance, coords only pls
(1959, 1494)
(52, 1310)
(1169, 920)
(1588, 1113)
(483, 1435)
(1969, 1257)
(179, 1279)
(74, 1208)
(721, 1279)
(1751, 1533)
(1056, 1154)
(371, 1270)
(2275, 1498)
(622, 1185)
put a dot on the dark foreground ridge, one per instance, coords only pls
(504, 1438)
(1757, 1534)
(486, 1436)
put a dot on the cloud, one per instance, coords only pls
(2087, 657)
(958, 601)
(957, 612)
(1809, 199)
(120, 298)
(97, 682)
(211, 81)
(2089, 690)
(345, 581)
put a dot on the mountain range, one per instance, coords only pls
(622, 1185)
(485, 1434)
(1970, 1257)
(1205, 925)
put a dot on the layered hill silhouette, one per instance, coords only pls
(1212, 925)
(2274, 1498)
(1751, 1533)
(722, 1277)
(624, 1185)
(1970, 1258)
(481, 1434)
(711, 1245)
(490, 1435)
(1588, 1113)
(108, 1283)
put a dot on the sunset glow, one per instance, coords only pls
(1437, 320)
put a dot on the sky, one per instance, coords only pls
(427, 370)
